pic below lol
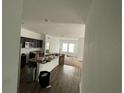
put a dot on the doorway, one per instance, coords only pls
(59, 35)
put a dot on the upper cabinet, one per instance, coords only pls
(30, 43)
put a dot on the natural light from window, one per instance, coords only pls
(64, 47)
(71, 48)
(68, 47)
(47, 45)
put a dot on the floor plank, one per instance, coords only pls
(64, 79)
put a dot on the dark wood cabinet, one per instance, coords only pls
(34, 43)
(39, 43)
(22, 42)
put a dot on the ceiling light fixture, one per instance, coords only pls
(46, 20)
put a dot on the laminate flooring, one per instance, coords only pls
(63, 79)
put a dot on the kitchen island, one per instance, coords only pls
(49, 66)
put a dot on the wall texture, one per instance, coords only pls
(30, 34)
(11, 32)
(80, 48)
(102, 56)
(54, 43)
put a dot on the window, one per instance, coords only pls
(71, 48)
(68, 47)
(64, 47)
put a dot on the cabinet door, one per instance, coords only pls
(22, 42)
(39, 43)
(33, 43)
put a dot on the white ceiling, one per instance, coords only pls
(59, 30)
(56, 11)
(66, 18)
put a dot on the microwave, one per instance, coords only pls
(28, 44)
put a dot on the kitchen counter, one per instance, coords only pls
(49, 66)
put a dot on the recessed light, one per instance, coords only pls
(46, 20)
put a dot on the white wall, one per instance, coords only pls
(54, 48)
(102, 57)
(80, 48)
(54, 43)
(30, 34)
(57, 29)
(11, 39)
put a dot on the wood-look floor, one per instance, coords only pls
(64, 79)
